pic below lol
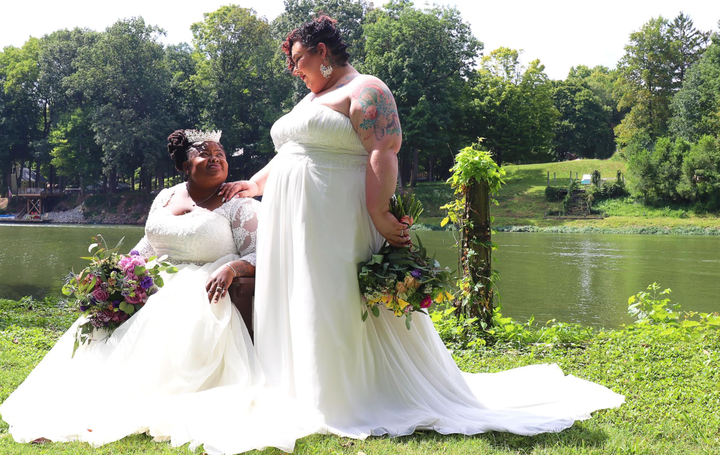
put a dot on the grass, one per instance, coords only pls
(522, 203)
(670, 384)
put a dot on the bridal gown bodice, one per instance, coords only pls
(372, 377)
(201, 236)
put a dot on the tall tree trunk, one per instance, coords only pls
(415, 167)
(431, 177)
(477, 250)
(161, 178)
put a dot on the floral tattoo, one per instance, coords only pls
(380, 116)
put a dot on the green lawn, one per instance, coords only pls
(670, 384)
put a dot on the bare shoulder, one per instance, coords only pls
(366, 81)
(373, 110)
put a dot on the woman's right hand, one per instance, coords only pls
(241, 188)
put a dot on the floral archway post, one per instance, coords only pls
(476, 179)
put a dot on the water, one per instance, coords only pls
(588, 278)
(584, 278)
(35, 257)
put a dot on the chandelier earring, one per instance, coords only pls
(326, 70)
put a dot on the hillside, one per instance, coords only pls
(522, 203)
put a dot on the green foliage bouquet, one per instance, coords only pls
(404, 280)
(112, 287)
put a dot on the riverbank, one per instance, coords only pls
(667, 374)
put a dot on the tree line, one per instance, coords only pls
(82, 106)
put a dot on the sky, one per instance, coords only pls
(561, 33)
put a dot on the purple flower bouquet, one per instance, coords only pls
(112, 287)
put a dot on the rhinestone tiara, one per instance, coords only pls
(195, 136)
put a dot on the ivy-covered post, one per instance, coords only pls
(476, 178)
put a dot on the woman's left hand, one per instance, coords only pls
(396, 233)
(218, 283)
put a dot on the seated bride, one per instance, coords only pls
(183, 368)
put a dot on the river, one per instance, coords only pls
(584, 278)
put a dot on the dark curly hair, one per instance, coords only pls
(311, 33)
(177, 147)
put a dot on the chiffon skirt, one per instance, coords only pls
(181, 369)
(374, 377)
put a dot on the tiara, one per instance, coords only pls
(195, 136)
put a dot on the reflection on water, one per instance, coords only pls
(34, 258)
(585, 278)
(588, 278)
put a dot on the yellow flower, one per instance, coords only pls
(398, 313)
(387, 298)
(440, 297)
(403, 303)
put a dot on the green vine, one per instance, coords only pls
(475, 172)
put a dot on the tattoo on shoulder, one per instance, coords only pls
(380, 116)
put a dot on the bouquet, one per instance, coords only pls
(112, 287)
(404, 280)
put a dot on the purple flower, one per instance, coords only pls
(134, 253)
(84, 307)
(101, 294)
(416, 273)
(116, 303)
(146, 282)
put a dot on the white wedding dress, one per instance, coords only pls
(374, 377)
(181, 369)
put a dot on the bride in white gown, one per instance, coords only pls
(183, 368)
(325, 207)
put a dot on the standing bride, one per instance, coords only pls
(325, 208)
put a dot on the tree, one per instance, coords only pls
(424, 57)
(241, 91)
(126, 79)
(697, 104)
(20, 104)
(513, 108)
(652, 70)
(700, 179)
(584, 127)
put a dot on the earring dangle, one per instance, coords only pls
(326, 70)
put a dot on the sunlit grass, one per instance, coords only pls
(670, 387)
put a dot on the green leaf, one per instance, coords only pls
(375, 311)
(364, 316)
(127, 308)
(139, 270)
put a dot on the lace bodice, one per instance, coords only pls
(201, 236)
(320, 135)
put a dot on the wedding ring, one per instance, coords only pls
(402, 232)
(219, 289)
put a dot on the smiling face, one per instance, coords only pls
(307, 65)
(209, 166)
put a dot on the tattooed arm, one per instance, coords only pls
(374, 115)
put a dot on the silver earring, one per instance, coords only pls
(326, 70)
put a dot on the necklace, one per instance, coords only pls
(187, 187)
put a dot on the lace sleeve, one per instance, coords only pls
(143, 247)
(244, 228)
